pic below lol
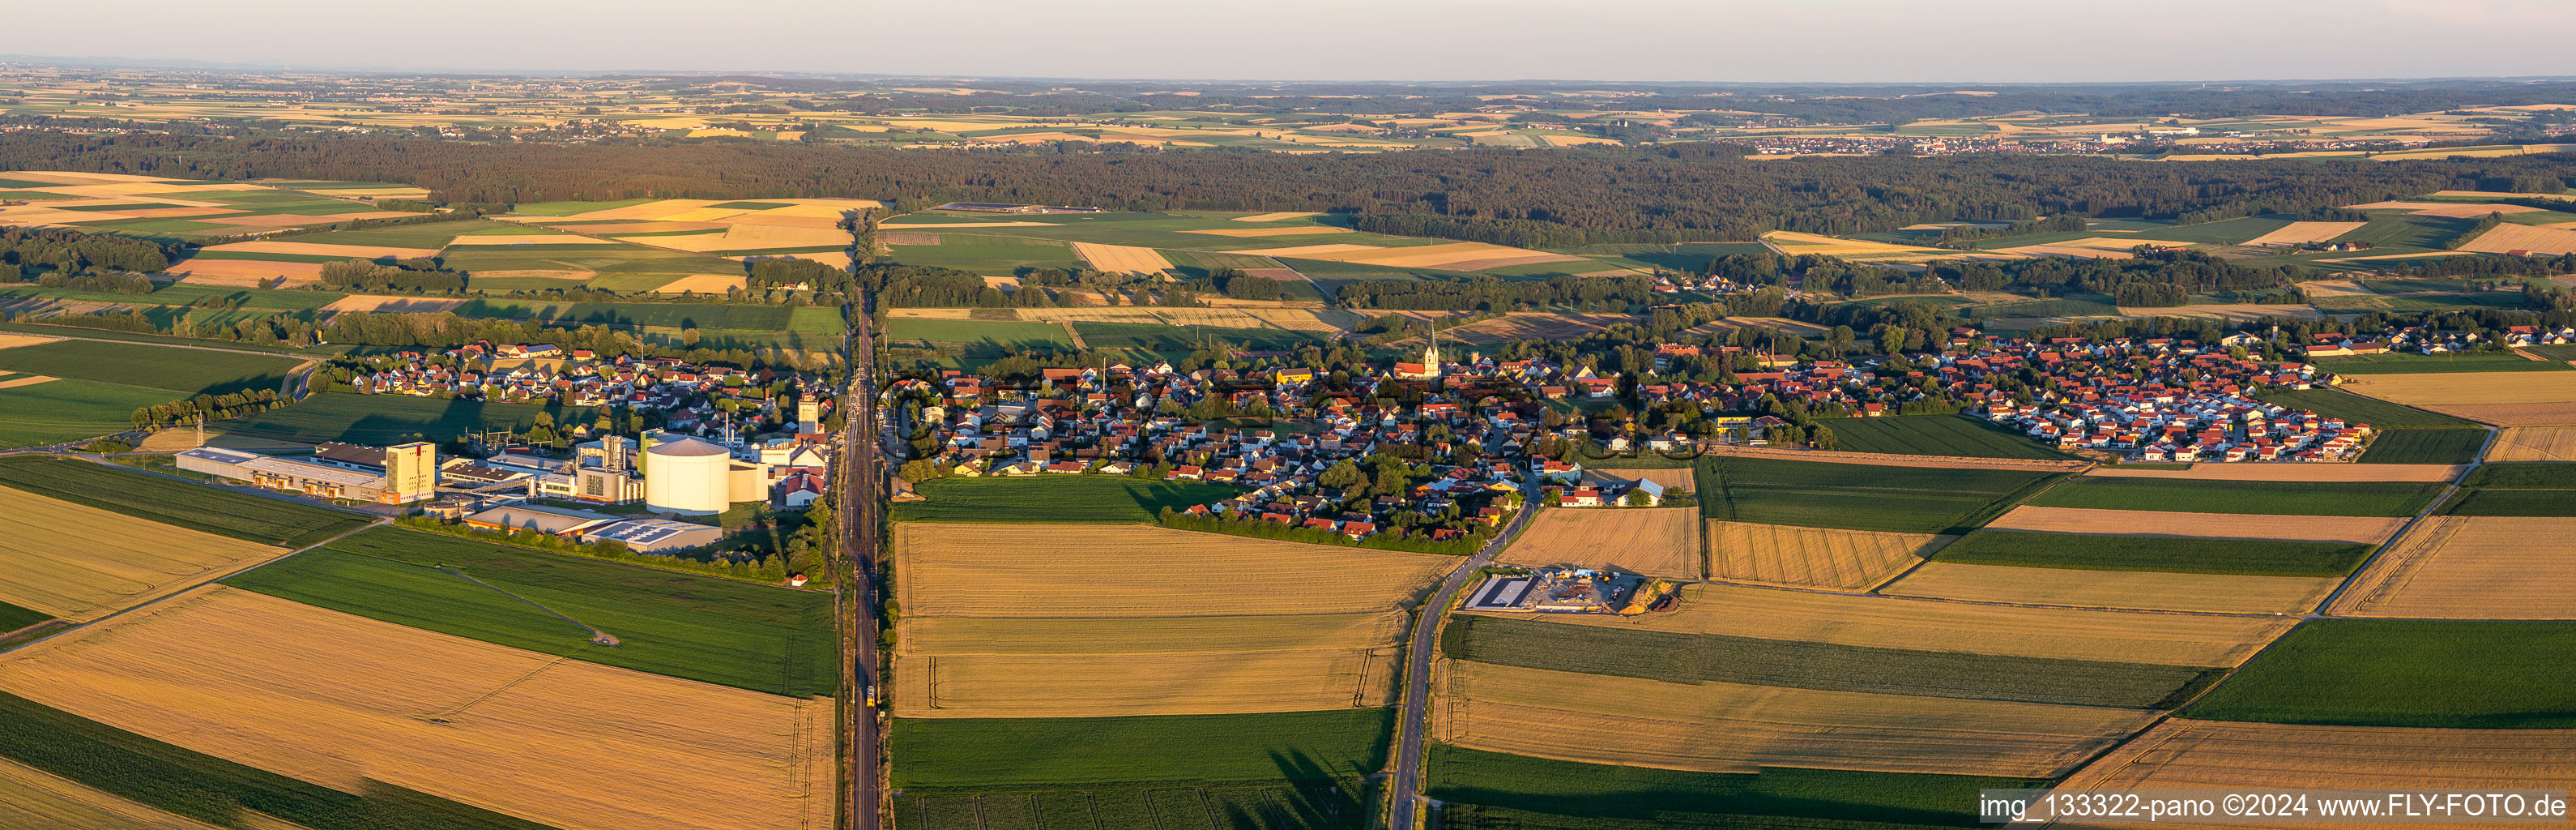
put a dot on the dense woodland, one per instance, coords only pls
(1562, 196)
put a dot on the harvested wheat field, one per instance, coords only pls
(1662, 541)
(1535, 325)
(2454, 210)
(2317, 289)
(291, 220)
(244, 272)
(2534, 444)
(1309, 251)
(2265, 471)
(1674, 480)
(1782, 324)
(2369, 529)
(1291, 230)
(1951, 462)
(2116, 589)
(1027, 636)
(2510, 399)
(2098, 247)
(1460, 256)
(263, 246)
(751, 237)
(653, 211)
(2510, 238)
(2196, 754)
(1813, 557)
(1122, 259)
(527, 239)
(1119, 684)
(1929, 625)
(632, 227)
(1727, 727)
(80, 563)
(702, 283)
(11, 341)
(32, 799)
(26, 380)
(403, 305)
(1274, 217)
(2471, 567)
(2299, 233)
(337, 699)
(1034, 570)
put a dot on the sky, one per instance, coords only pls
(1884, 41)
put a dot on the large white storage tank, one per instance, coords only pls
(685, 475)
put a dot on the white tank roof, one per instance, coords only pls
(683, 447)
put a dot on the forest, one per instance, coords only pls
(1558, 197)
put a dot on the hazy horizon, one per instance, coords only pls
(1616, 41)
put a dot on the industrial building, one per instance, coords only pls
(642, 535)
(401, 474)
(688, 476)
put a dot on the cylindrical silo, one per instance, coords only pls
(686, 475)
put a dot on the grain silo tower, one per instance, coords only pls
(687, 476)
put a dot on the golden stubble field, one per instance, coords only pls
(2534, 444)
(1656, 541)
(2505, 399)
(2472, 567)
(2369, 529)
(2222, 754)
(1111, 620)
(1813, 557)
(1728, 727)
(336, 700)
(80, 563)
(2140, 590)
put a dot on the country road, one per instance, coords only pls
(1417, 674)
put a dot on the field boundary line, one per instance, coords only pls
(2325, 607)
(193, 588)
(1919, 563)
(441, 717)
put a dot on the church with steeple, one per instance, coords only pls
(1429, 368)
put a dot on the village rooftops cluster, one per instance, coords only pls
(687, 394)
(2419, 340)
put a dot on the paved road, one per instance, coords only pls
(858, 516)
(1417, 675)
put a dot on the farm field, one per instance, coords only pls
(2337, 403)
(2534, 444)
(2170, 524)
(1009, 335)
(2426, 446)
(2289, 471)
(170, 209)
(379, 420)
(1931, 626)
(2471, 567)
(1654, 541)
(1813, 556)
(2471, 674)
(976, 753)
(1858, 496)
(339, 700)
(2094, 588)
(1727, 727)
(667, 315)
(1345, 805)
(2418, 364)
(223, 512)
(2202, 753)
(1536, 643)
(186, 372)
(700, 628)
(1167, 338)
(1469, 778)
(2517, 488)
(2245, 557)
(2507, 399)
(78, 563)
(1955, 435)
(2302, 498)
(1054, 498)
(31, 799)
(44, 412)
(953, 571)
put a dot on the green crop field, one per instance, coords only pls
(2534, 475)
(1230, 806)
(572, 208)
(69, 410)
(1274, 746)
(185, 371)
(180, 294)
(2402, 231)
(1012, 335)
(1185, 338)
(1775, 797)
(211, 789)
(385, 419)
(2045, 308)
(1686, 658)
(2411, 364)
(677, 315)
(2276, 498)
(987, 254)
(2475, 674)
(2336, 403)
(2229, 232)
(702, 628)
(2553, 352)
(1935, 435)
(2244, 557)
(14, 617)
(1054, 498)
(2484, 502)
(174, 502)
(817, 320)
(1859, 496)
(2426, 446)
